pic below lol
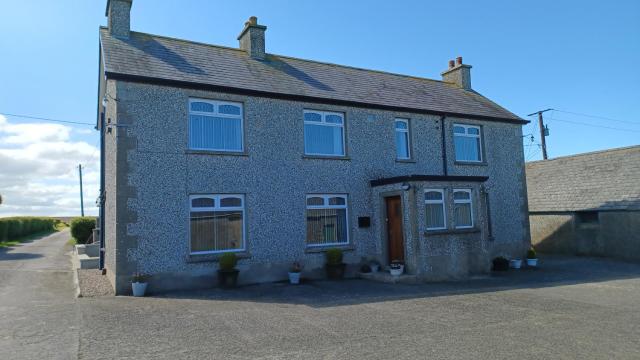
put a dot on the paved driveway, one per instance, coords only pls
(571, 308)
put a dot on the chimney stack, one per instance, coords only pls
(118, 13)
(252, 38)
(458, 73)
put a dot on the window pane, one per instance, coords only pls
(461, 195)
(216, 231)
(230, 202)
(467, 148)
(458, 130)
(203, 202)
(435, 216)
(336, 201)
(315, 201)
(201, 106)
(402, 145)
(433, 195)
(462, 214)
(326, 140)
(402, 125)
(473, 131)
(229, 109)
(334, 119)
(312, 117)
(326, 226)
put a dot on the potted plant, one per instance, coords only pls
(516, 263)
(335, 266)
(374, 265)
(500, 264)
(139, 284)
(396, 268)
(365, 268)
(294, 273)
(532, 258)
(227, 272)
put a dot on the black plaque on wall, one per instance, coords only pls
(364, 221)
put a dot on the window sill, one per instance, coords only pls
(410, 161)
(214, 152)
(198, 258)
(452, 231)
(482, 163)
(320, 249)
(326, 157)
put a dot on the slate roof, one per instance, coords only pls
(147, 57)
(603, 180)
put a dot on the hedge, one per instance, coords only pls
(12, 228)
(82, 228)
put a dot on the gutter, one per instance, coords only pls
(259, 93)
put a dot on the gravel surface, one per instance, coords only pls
(92, 283)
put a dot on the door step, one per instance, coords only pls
(385, 277)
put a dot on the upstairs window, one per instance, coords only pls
(215, 125)
(467, 142)
(462, 208)
(327, 220)
(323, 133)
(402, 139)
(217, 223)
(436, 216)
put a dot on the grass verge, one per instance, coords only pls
(14, 242)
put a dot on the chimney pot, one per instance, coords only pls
(459, 60)
(451, 64)
(252, 38)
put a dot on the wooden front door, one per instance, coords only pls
(395, 239)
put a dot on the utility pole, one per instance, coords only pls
(81, 195)
(543, 134)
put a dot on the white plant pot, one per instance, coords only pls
(294, 277)
(375, 268)
(532, 262)
(515, 263)
(138, 289)
(397, 272)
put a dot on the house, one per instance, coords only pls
(209, 149)
(587, 204)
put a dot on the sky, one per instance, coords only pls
(578, 57)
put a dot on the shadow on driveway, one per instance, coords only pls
(553, 271)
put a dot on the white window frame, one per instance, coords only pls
(406, 131)
(217, 198)
(327, 206)
(466, 134)
(216, 104)
(323, 122)
(469, 201)
(437, 202)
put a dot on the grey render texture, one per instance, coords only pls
(605, 184)
(150, 172)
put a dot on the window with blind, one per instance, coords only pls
(327, 222)
(436, 215)
(462, 208)
(467, 142)
(402, 139)
(323, 133)
(216, 223)
(215, 125)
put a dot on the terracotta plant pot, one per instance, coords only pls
(335, 271)
(228, 279)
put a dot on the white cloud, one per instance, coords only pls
(38, 170)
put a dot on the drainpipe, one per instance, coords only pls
(102, 192)
(444, 147)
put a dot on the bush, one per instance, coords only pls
(228, 261)
(531, 254)
(500, 264)
(82, 228)
(334, 256)
(12, 228)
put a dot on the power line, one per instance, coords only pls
(598, 117)
(594, 125)
(46, 119)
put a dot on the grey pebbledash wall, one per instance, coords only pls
(152, 173)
